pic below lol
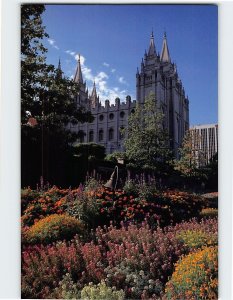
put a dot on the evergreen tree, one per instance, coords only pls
(147, 142)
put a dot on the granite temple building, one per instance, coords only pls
(157, 74)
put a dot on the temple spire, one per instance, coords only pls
(94, 94)
(78, 75)
(165, 56)
(59, 70)
(152, 50)
(59, 64)
(94, 99)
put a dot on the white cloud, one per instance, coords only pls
(122, 80)
(72, 53)
(101, 75)
(106, 64)
(82, 59)
(113, 70)
(52, 43)
(87, 73)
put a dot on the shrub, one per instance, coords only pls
(147, 191)
(196, 238)
(209, 212)
(182, 205)
(139, 251)
(195, 276)
(130, 187)
(28, 195)
(53, 228)
(135, 282)
(210, 199)
(84, 206)
(101, 291)
(52, 201)
(67, 289)
(194, 234)
(44, 266)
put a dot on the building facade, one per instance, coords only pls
(157, 75)
(204, 143)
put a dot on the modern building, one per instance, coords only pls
(157, 75)
(204, 142)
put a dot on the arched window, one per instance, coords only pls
(91, 136)
(122, 114)
(101, 117)
(111, 116)
(81, 135)
(110, 134)
(101, 135)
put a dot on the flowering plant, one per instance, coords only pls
(195, 276)
(101, 291)
(53, 228)
(44, 266)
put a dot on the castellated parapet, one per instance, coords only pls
(157, 75)
(109, 119)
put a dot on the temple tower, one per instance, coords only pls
(159, 76)
(82, 96)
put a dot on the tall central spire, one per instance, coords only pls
(152, 50)
(165, 56)
(78, 75)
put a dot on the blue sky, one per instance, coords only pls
(112, 39)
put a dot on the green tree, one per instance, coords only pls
(191, 156)
(147, 142)
(48, 106)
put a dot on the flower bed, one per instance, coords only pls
(165, 208)
(131, 242)
(45, 203)
(134, 258)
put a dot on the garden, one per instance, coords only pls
(152, 238)
(137, 242)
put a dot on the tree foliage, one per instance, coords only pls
(48, 106)
(191, 156)
(147, 142)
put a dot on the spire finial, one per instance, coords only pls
(152, 50)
